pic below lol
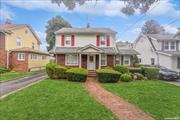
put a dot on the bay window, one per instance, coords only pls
(103, 60)
(71, 59)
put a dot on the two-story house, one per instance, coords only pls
(20, 48)
(90, 48)
(159, 49)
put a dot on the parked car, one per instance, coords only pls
(167, 74)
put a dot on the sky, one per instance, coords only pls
(104, 13)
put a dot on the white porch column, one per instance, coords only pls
(79, 60)
(99, 61)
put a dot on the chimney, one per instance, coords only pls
(8, 21)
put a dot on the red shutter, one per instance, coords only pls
(62, 40)
(107, 41)
(97, 40)
(72, 40)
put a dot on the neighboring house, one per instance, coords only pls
(20, 48)
(89, 48)
(159, 49)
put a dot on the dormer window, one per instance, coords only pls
(67, 40)
(170, 45)
(18, 42)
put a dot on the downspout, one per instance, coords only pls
(7, 59)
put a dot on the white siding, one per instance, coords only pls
(83, 40)
(143, 46)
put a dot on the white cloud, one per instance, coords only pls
(6, 13)
(42, 37)
(171, 29)
(164, 8)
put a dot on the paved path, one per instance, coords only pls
(119, 107)
(10, 86)
(177, 83)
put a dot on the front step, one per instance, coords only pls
(91, 73)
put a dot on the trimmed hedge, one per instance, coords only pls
(139, 76)
(3, 70)
(126, 77)
(122, 69)
(150, 72)
(108, 75)
(135, 70)
(55, 71)
(77, 74)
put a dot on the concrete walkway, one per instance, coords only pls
(10, 86)
(118, 106)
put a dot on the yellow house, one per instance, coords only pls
(20, 48)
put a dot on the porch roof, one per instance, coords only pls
(128, 52)
(173, 53)
(106, 50)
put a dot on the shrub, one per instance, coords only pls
(122, 69)
(139, 76)
(126, 77)
(59, 72)
(77, 74)
(135, 70)
(50, 70)
(150, 72)
(3, 70)
(108, 75)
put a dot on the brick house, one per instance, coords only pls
(20, 48)
(89, 48)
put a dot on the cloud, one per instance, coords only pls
(6, 13)
(103, 7)
(42, 37)
(164, 8)
(171, 29)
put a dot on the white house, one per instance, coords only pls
(159, 49)
(90, 48)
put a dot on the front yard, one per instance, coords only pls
(15, 75)
(53, 100)
(157, 98)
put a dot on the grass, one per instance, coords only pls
(15, 75)
(159, 99)
(53, 100)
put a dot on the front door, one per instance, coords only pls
(91, 62)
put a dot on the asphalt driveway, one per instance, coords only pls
(10, 86)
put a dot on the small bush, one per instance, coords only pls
(139, 76)
(126, 77)
(108, 75)
(150, 72)
(3, 70)
(122, 69)
(60, 72)
(77, 74)
(135, 70)
(50, 70)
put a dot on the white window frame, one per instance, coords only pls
(71, 64)
(105, 58)
(105, 37)
(69, 39)
(21, 57)
(33, 56)
(118, 58)
(18, 42)
(169, 44)
(33, 46)
(126, 58)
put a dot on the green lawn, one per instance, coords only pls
(14, 75)
(53, 100)
(157, 98)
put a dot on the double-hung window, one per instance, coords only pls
(33, 56)
(170, 45)
(166, 46)
(67, 40)
(103, 40)
(43, 57)
(103, 60)
(18, 42)
(21, 56)
(33, 46)
(126, 60)
(71, 59)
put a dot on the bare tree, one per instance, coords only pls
(152, 27)
(128, 9)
